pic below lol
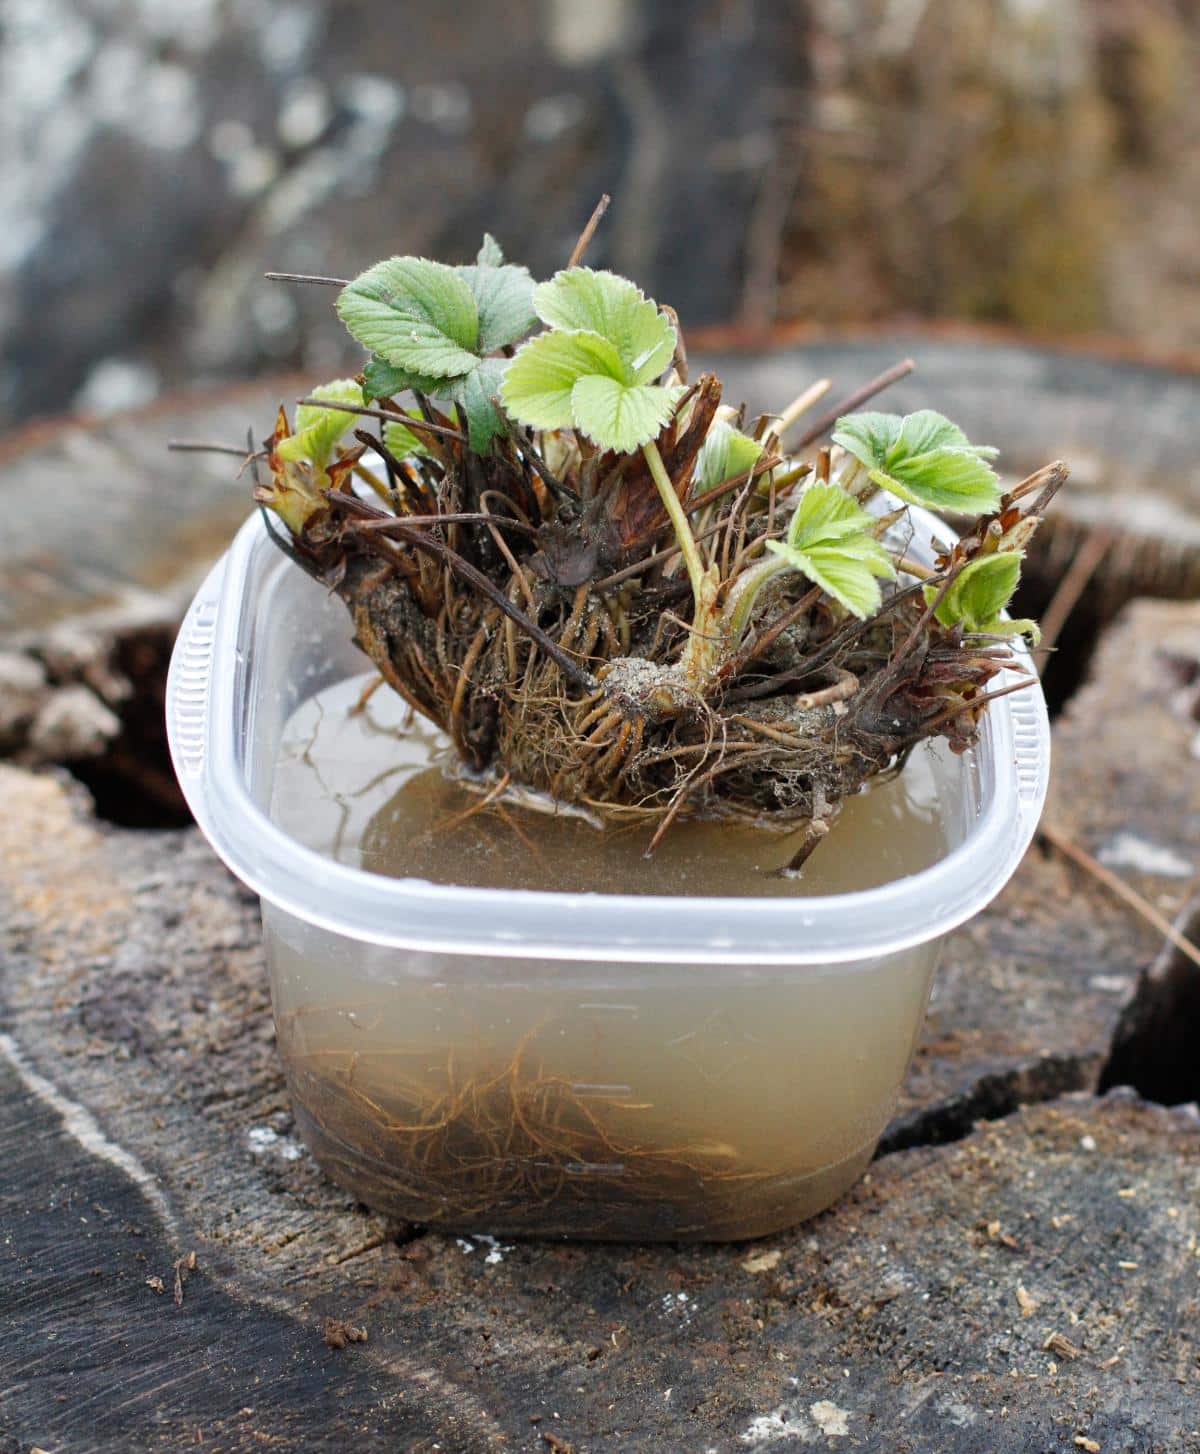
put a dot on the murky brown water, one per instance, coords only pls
(550, 1098)
(370, 791)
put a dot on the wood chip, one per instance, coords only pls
(762, 1261)
(1090, 1445)
(337, 1333)
(1028, 1305)
(182, 1265)
(833, 1422)
(1061, 1346)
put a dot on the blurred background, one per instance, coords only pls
(1032, 163)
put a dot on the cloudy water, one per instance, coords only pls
(376, 789)
(521, 1095)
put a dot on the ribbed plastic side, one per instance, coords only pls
(191, 667)
(1027, 714)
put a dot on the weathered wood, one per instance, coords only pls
(107, 537)
(1155, 1039)
(1029, 994)
(143, 1117)
(99, 517)
(1029, 1287)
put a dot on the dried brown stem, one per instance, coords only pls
(589, 231)
(391, 416)
(1124, 891)
(854, 401)
(1072, 586)
(317, 278)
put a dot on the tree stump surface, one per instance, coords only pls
(1029, 1283)
(1029, 993)
(143, 1115)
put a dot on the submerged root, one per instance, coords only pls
(516, 1149)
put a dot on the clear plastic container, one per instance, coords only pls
(578, 1065)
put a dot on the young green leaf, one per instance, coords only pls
(830, 540)
(490, 254)
(538, 383)
(599, 302)
(726, 452)
(381, 380)
(593, 370)
(927, 430)
(621, 416)
(475, 395)
(421, 316)
(826, 513)
(978, 594)
(850, 581)
(472, 396)
(504, 301)
(318, 430)
(922, 458)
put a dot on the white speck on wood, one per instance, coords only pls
(762, 1261)
(779, 1424)
(833, 1422)
(263, 1139)
(1127, 850)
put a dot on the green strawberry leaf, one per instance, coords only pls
(476, 394)
(382, 380)
(490, 254)
(431, 329)
(318, 430)
(539, 381)
(593, 370)
(927, 430)
(977, 595)
(599, 302)
(620, 416)
(831, 541)
(851, 581)
(503, 299)
(826, 513)
(923, 459)
(419, 315)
